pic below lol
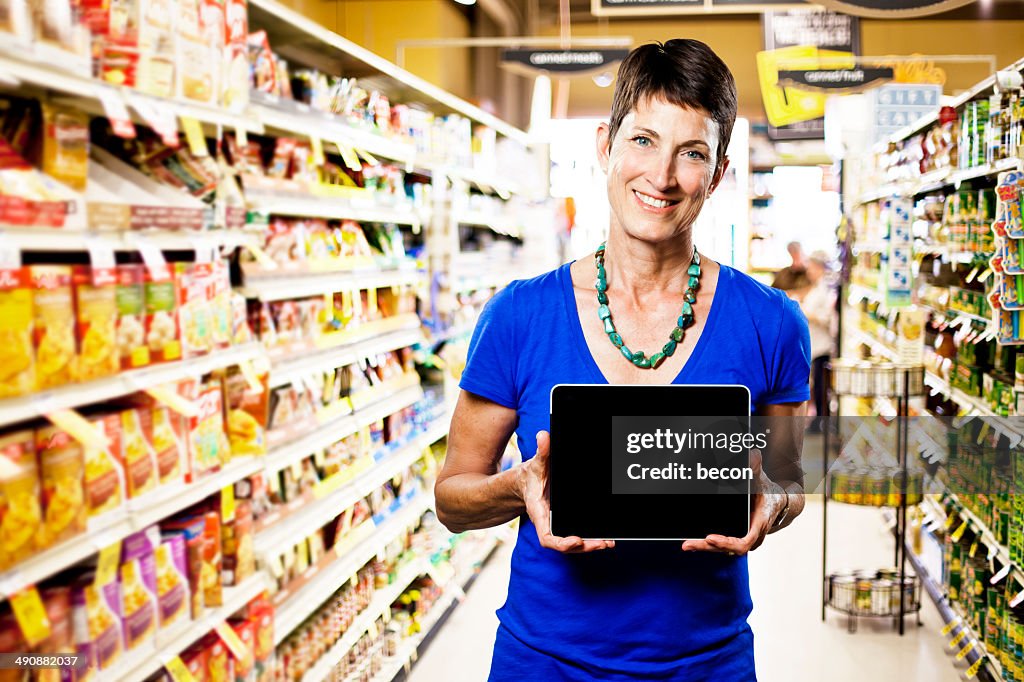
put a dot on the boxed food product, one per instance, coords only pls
(95, 322)
(20, 508)
(190, 530)
(196, 658)
(53, 331)
(213, 593)
(194, 317)
(66, 145)
(62, 471)
(155, 70)
(162, 332)
(219, 664)
(96, 618)
(245, 670)
(139, 460)
(198, 60)
(237, 544)
(261, 613)
(17, 361)
(11, 639)
(104, 476)
(57, 602)
(247, 410)
(131, 316)
(164, 430)
(241, 332)
(206, 438)
(235, 83)
(221, 313)
(172, 587)
(138, 587)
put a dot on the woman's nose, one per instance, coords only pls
(662, 173)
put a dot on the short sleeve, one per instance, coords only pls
(791, 362)
(490, 363)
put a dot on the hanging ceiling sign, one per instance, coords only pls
(664, 7)
(835, 80)
(892, 9)
(572, 62)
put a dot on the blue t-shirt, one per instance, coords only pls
(640, 610)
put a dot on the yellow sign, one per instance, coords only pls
(227, 503)
(30, 614)
(349, 156)
(173, 400)
(178, 671)
(194, 135)
(962, 654)
(973, 670)
(106, 565)
(959, 532)
(80, 429)
(318, 150)
(786, 105)
(959, 638)
(232, 641)
(261, 256)
(949, 626)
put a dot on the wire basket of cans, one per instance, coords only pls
(872, 593)
(877, 379)
(874, 486)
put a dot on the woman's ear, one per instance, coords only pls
(604, 144)
(719, 174)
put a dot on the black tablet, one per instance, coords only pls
(650, 462)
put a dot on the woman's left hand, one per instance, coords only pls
(768, 502)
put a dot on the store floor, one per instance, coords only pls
(792, 643)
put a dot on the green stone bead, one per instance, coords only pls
(627, 353)
(601, 285)
(694, 282)
(657, 359)
(602, 298)
(603, 312)
(600, 248)
(643, 363)
(615, 339)
(669, 348)
(601, 271)
(685, 321)
(687, 309)
(609, 326)
(638, 356)
(693, 270)
(677, 334)
(690, 296)
(696, 257)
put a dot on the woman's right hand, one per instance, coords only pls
(533, 489)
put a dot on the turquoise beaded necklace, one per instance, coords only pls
(675, 337)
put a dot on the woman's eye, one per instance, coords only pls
(695, 155)
(642, 141)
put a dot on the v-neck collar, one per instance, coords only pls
(580, 340)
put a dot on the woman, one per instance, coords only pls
(584, 610)
(818, 305)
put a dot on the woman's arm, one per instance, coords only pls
(782, 458)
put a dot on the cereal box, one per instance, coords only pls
(221, 313)
(206, 438)
(66, 145)
(172, 588)
(162, 333)
(139, 460)
(247, 410)
(57, 602)
(104, 477)
(17, 361)
(261, 613)
(246, 631)
(131, 316)
(20, 508)
(164, 430)
(53, 331)
(219, 665)
(138, 587)
(95, 322)
(194, 317)
(190, 530)
(196, 659)
(213, 593)
(96, 618)
(236, 542)
(62, 471)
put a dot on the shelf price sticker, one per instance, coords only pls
(959, 638)
(1005, 571)
(107, 564)
(178, 671)
(251, 377)
(227, 503)
(30, 614)
(174, 400)
(194, 136)
(233, 642)
(116, 111)
(950, 520)
(348, 155)
(959, 532)
(974, 548)
(370, 158)
(317, 146)
(242, 136)
(972, 672)
(962, 654)
(950, 625)
(261, 256)
(75, 424)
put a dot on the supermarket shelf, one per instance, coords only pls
(62, 240)
(145, 662)
(333, 431)
(316, 513)
(493, 280)
(973, 404)
(871, 247)
(981, 529)
(324, 207)
(290, 614)
(484, 181)
(40, 75)
(317, 284)
(982, 171)
(859, 292)
(508, 225)
(137, 515)
(877, 348)
(932, 181)
(381, 603)
(19, 409)
(293, 369)
(936, 180)
(883, 192)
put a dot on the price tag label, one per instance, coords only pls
(348, 156)
(195, 136)
(1003, 572)
(101, 253)
(251, 377)
(317, 146)
(227, 503)
(972, 672)
(962, 654)
(372, 630)
(154, 259)
(950, 520)
(174, 400)
(242, 136)
(162, 122)
(79, 428)
(983, 432)
(116, 111)
(107, 564)
(178, 671)
(233, 642)
(959, 532)
(30, 614)
(371, 299)
(972, 274)
(959, 638)
(261, 256)
(974, 548)
(950, 625)
(370, 158)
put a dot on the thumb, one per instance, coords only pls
(543, 444)
(755, 463)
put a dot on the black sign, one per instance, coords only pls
(835, 79)
(562, 61)
(890, 9)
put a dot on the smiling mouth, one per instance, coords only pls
(654, 203)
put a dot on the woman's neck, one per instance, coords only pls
(637, 268)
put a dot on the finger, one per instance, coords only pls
(700, 546)
(543, 444)
(756, 463)
(735, 546)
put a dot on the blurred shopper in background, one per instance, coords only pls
(817, 302)
(794, 276)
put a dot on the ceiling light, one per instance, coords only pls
(466, 2)
(603, 79)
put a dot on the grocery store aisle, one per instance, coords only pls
(791, 642)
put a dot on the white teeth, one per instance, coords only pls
(651, 201)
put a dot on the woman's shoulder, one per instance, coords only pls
(756, 294)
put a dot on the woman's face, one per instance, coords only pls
(660, 168)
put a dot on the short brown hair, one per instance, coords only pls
(684, 72)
